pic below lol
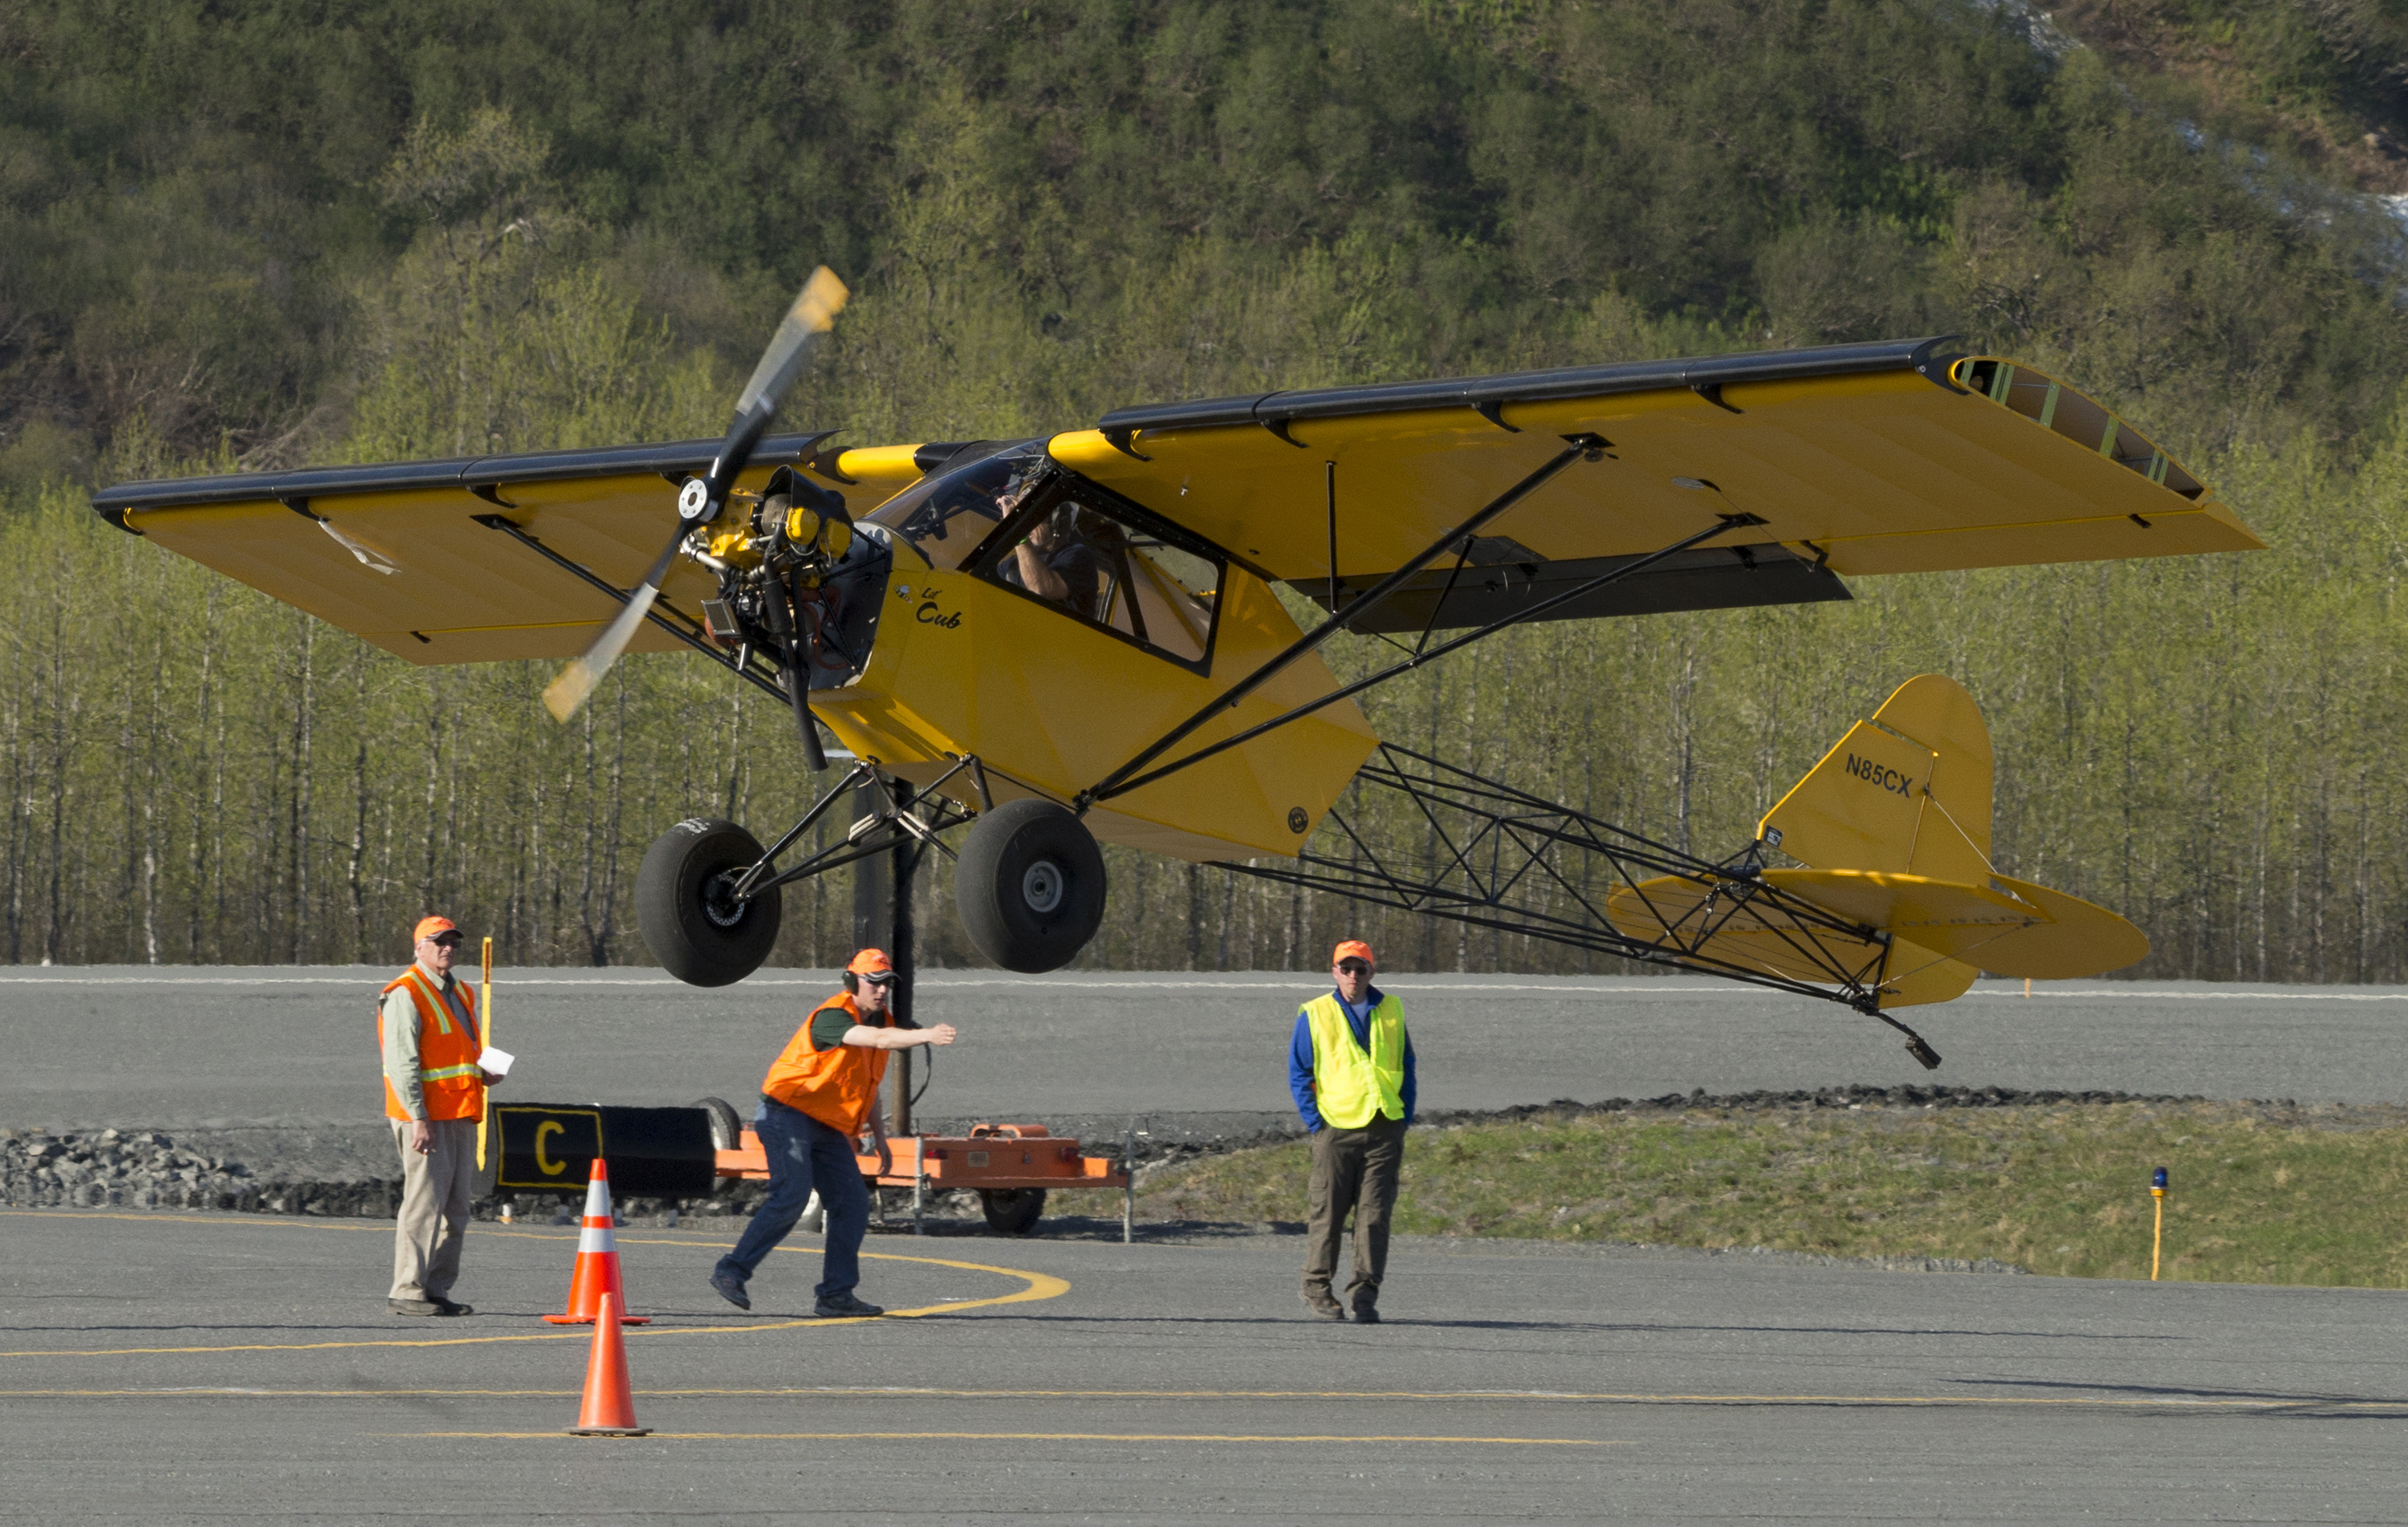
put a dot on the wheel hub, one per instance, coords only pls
(1042, 885)
(719, 903)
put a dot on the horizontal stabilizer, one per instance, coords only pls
(1761, 935)
(2078, 940)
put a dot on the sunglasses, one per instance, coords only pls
(881, 979)
(448, 941)
(1354, 967)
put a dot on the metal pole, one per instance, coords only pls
(906, 858)
(1128, 1188)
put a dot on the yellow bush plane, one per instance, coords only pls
(1078, 638)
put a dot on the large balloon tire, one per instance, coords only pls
(1030, 886)
(693, 931)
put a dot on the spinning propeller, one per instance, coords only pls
(701, 499)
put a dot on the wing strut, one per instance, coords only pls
(1419, 656)
(1575, 446)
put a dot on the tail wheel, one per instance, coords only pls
(1012, 1211)
(686, 907)
(1030, 888)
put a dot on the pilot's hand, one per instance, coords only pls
(422, 1137)
(941, 1034)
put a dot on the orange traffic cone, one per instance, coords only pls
(609, 1408)
(597, 1260)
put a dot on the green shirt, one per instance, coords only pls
(830, 1024)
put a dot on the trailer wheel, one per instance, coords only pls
(696, 929)
(1012, 1211)
(1030, 888)
(726, 1129)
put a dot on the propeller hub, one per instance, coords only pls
(694, 501)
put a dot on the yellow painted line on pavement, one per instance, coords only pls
(1039, 1286)
(1381, 1397)
(1051, 1436)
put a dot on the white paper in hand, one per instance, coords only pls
(497, 1061)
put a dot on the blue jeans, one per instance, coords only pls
(805, 1153)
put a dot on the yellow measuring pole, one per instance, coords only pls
(2157, 1239)
(485, 1040)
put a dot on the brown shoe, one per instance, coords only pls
(413, 1307)
(1325, 1307)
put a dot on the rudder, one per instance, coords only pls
(1907, 793)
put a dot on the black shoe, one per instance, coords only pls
(844, 1306)
(447, 1306)
(1325, 1307)
(1367, 1314)
(731, 1287)
(413, 1307)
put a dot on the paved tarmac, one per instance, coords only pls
(169, 1048)
(167, 1367)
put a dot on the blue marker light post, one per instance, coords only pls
(2158, 1240)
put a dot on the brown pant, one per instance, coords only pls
(435, 1191)
(1351, 1169)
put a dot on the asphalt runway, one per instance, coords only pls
(172, 1047)
(191, 1367)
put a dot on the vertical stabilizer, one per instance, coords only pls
(1907, 793)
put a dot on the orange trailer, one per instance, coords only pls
(1011, 1167)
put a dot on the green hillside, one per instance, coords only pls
(269, 233)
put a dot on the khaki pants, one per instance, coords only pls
(435, 1191)
(1351, 1169)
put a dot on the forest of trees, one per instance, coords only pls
(266, 233)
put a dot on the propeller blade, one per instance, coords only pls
(584, 674)
(814, 310)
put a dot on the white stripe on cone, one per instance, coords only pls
(595, 1237)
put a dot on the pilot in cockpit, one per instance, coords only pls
(1055, 562)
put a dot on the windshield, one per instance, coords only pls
(945, 517)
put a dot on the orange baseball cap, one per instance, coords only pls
(872, 962)
(428, 927)
(1355, 948)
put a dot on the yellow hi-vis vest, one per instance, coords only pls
(1350, 1086)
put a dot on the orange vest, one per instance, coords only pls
(836, 1086)
(447, 1050)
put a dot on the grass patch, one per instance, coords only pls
(2263, 1194)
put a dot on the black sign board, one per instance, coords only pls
(653, 1153)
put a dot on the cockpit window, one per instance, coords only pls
(945, 517)
(1089, 552)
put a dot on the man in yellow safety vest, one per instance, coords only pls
(435, 1097)
(1351, 1069)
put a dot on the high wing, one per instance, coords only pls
(465, 538)
(1850, 458)
(1856, 459)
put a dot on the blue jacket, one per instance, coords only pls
(1299, 1060)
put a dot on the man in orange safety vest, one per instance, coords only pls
(433, 1098)
(820, 1092)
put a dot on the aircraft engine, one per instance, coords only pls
(800, 583)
